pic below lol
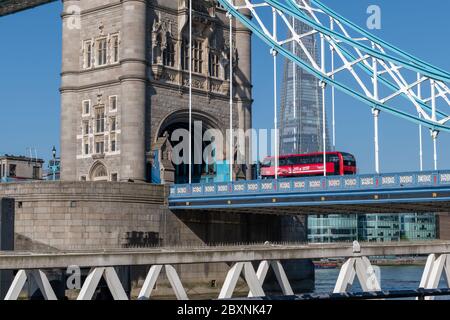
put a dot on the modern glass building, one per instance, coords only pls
(300, 121)
(372, 227)
(419, 226)
(332, 228)
(379, 227)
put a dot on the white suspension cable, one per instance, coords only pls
(231, 98)
(294, 73)
(376, 113)
(275, 93)
(333, 91)
(190, 91)
(435, 157)
(419, 95)
(434, 133)
(324, 123)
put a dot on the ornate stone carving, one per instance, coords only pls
(216, 86)
(196, 83)
(161, 35)
(157, 70)
(101, 28)
(225, 58)
(167, 170)
(168, 76)
(99, 98)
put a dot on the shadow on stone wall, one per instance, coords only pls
(23, 243)
(222, 228)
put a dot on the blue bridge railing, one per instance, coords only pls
(411, 180)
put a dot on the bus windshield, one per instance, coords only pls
(269, 162)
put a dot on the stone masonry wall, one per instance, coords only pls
(52, 216)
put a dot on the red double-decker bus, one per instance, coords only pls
(311, 164)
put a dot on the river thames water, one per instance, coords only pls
(392, 278)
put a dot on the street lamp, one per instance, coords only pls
(53, 166)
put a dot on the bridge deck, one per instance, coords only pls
(122, 257)
(388, 193)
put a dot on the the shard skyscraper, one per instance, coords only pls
(300, 114)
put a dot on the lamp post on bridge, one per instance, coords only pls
(54, 166)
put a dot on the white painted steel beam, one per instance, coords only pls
(90, 284)
(114, 284)
(152, 277)
(21, 278)
(427, 270)
(43, 284)
(17, 285)
(231, 280)
(150, 282)
(361, 268)
(175, 282)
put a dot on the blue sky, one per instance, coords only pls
(30, 62)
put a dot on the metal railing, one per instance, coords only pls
(412, 180)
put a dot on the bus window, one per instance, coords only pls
(333, 158)
(268, 163)
(349, 160)
(283, 162)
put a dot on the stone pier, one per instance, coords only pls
(61, 216)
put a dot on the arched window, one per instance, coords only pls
(99, 172)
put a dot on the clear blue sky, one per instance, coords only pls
(30, 62)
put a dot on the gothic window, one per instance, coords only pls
(113, 103)
(214, 65)
(112, 123)
(100, 120)
(115, 48)
(100, 147)
(86, 107)
(99, 172)
(86, 148)
(169, 54)
(86, 127)
(101, 52)
(113, 145)
(185, 55)
(87, 54)
(197, 56)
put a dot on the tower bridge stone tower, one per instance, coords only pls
(125, 81)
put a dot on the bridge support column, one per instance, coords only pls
(21, 278)
(361, 268)
(112, 280)
(435, 266)
(152, 277)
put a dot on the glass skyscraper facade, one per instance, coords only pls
(372, 227)
(300, 120)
